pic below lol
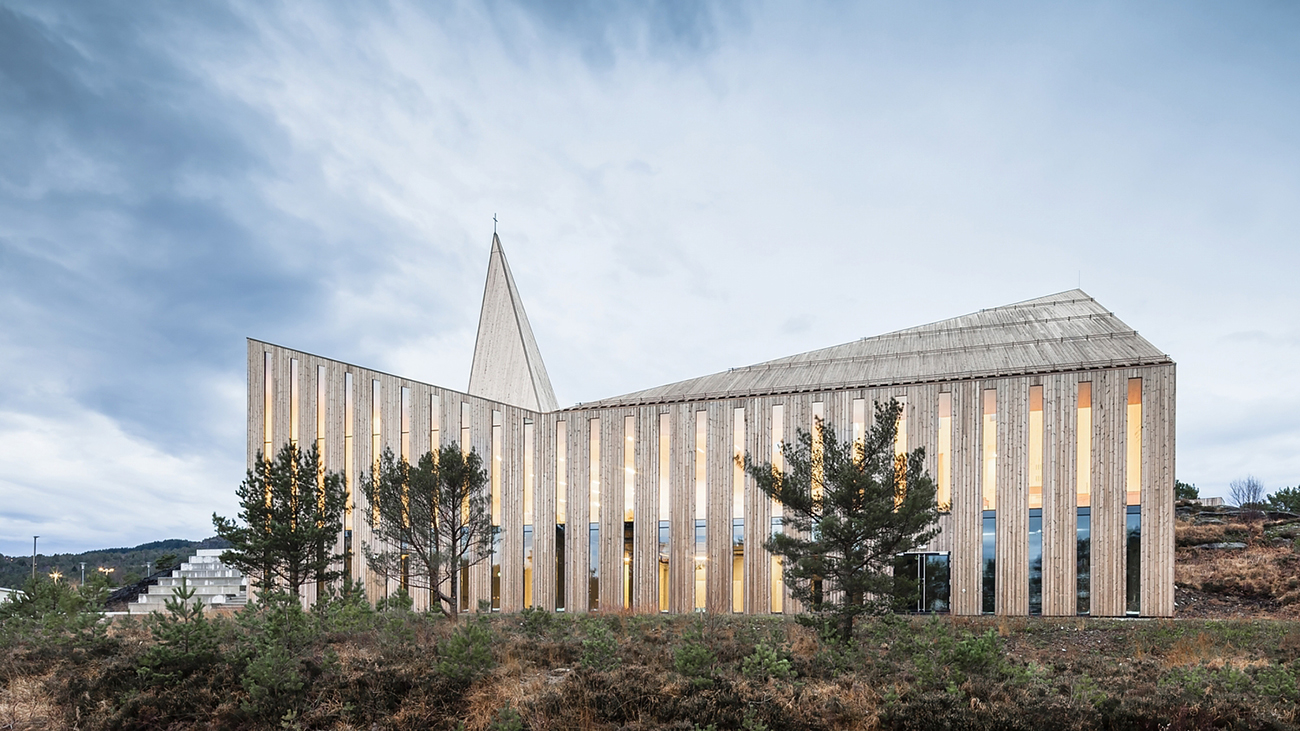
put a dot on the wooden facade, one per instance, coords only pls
(961, 533)
(1054, 343)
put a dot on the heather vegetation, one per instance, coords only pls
(346, 665)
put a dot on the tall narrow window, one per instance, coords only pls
(435, 425)
(1036, 561)
(989, 573)
(859, 424)
(665, 505)
(701, 506)
(268, 405)
(990, 465)
(495, 477)
(900, 451)
(294, 397)
(320, 416)
(529, 518)
(593, 537)
(738, 510)
(464, 427)
(1083, 561)
(1035, 447)
(944, 458)
(818, 423)
(776, 602)
(629, 503)
(349, 472)
(1083, 444)
(405, 442)
(1133, 560)
(900, 433)
(376, 432)
(1133, 443)
(561, 508)
(465, 450)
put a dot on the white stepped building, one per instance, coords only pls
(214, 583)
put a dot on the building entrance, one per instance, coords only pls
(928, 572)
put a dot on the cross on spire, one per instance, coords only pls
(494, 223)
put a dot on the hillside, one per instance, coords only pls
(125, 562)
(1227, 567)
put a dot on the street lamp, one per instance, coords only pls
(83, 572)
(56, 575)
(34, 556)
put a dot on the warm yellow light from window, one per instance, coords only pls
(561, 473)
(944, 457)
(1133, 443)
(1035, 447)
(990, 425)
(629, 467)
(1083, 456)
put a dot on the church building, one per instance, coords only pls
(1048, 428)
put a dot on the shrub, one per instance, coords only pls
(766, 662)
(694, 660)
(507, 719)
(600, 648)
(467, 654)
(185, 640)
(535, 621)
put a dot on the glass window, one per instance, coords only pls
(776, 601)
(1035, 561)
(990, 428)
(701, 505)
(495, 477)
(701, 555)
(738, 565)
(663, 564)
(818, 423)
(435, 423)
(859, 424)
(629, 467)
(349, 471)
(900, 452)
(320, 416)
(738, 510)
(989, 571)
(561, 508)
(665, 514)
(405, 444)
(528, 566)
(1133, 443)
(1083, 442)
(629, 576)
(529, 456)
(944, 460)
(593, 516)
(1133, 560)
(1083, 561)
(1035, 447)
(293, 401)
(268, 405)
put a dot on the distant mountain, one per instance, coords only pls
(126, 564)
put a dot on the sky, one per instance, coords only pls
(681, 187)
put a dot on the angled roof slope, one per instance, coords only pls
(507, 364)
(1059, 332)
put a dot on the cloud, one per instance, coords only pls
(682, 188)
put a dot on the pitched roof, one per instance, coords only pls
(507, 364)
(1059, 332)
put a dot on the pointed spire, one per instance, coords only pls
(507, 364)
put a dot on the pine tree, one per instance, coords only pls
(291, 512)
(850, 509)
(433, 520)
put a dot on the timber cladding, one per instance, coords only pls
(961, 527)
(1101, 541)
